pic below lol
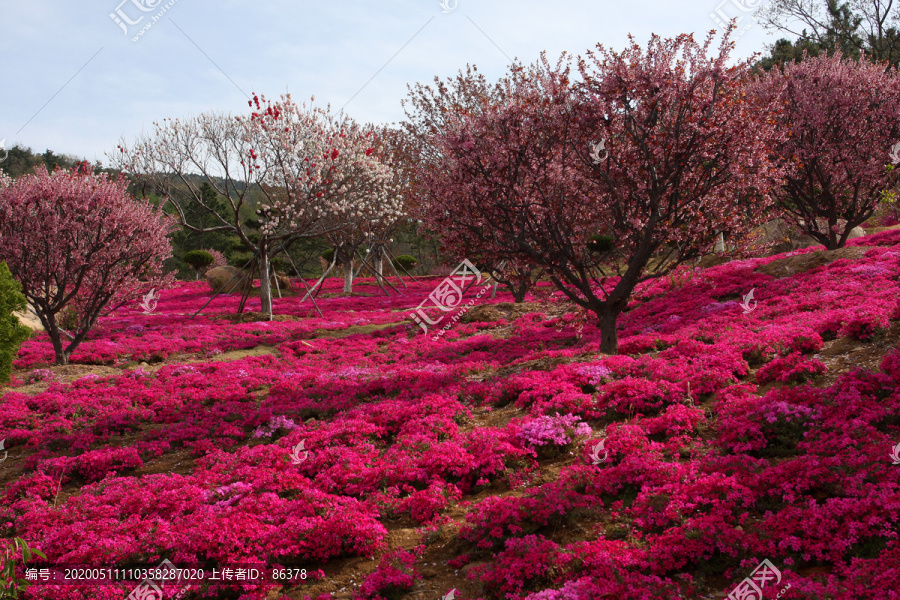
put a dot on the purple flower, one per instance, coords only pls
(596, 374)
(558, 430)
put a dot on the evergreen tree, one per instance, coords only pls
(857, 29)
(185, 241)
(12, 332)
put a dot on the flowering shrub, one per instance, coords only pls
(552, 432)
(596, 374)
(425, 505)
(866, 326)
(394, 577)
(525, 563)
(635, 587)
(39, 375)
(702, 474)
(274, 424)
(793, 368)
(497, 519)
(632, 394)
(94, 465)
(218, 259)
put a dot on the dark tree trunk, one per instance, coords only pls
(609, 341)
(52, 329)
(61, 353)
(518, 292)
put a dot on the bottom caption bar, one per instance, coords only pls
(164, 574)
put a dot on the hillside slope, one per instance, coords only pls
(731, 435)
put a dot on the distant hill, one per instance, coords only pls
(22, 161)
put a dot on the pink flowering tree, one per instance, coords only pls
(606, 183)
(301, 170)
(326, 176)
(80, 246)
(393, 147)
(844, 119)
(218, 258)
(437, 109)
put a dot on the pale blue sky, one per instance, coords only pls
(75, 82)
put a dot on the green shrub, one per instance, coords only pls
(239, 259)
(328, 255)
(278, 264)
(405, 261)
(12, 332)
(198, 259)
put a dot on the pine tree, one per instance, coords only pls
(12, 332)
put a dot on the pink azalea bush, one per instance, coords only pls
(791, 368)
(557, 431)
(393, 578)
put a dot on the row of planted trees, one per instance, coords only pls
(607, 170)
(597, 172)
(308, 173)
(305, 172)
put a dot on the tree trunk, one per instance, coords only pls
(48, 320)
(265, 284)
(720, 243)
(348, 274)
(518, 292)
(61, 356)
(609, 341)
(379, 263)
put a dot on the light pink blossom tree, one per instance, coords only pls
(607, 182)
(376, 210)
(844, 118)
(322, 174)
(80, 246)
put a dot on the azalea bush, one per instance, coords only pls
(549, 434)
(393, 578)
(791, 368)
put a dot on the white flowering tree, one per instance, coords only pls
(304, 171)
(373, 218)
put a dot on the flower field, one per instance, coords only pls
(367, 459)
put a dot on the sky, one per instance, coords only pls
(80, 76)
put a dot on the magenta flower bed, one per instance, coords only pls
(304, 456)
